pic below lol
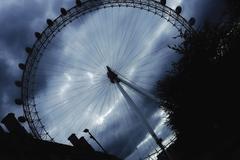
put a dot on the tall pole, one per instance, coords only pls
(116, 80)
(137, 110)
(91, 136)
(143, 119)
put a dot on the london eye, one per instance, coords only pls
(96, 66)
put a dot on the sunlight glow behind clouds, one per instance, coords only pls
(84, 87)
(72, 95)
(75, 65)
(15, 37)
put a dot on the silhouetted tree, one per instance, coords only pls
(201, 94)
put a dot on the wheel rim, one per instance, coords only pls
(33, 60)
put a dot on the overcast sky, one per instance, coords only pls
(19, 19)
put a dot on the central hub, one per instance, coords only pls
(113, 77)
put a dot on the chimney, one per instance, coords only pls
(81, 143)
(74, 140)
(13, 126)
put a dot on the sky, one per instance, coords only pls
(19, 19)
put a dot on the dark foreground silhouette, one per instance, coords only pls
(18, 144)
(201, 93)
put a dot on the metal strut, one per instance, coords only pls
(136, 88)
(113, 77)
(138, 111)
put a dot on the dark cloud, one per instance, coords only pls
(20, 19)
(204, 10)
(7, 91)
(15, 22)
(125, 143)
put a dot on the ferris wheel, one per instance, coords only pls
(94, 59)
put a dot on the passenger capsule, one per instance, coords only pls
(63, 11)
(18, 83)
(38, 35)
(22, 66)
(50, 22)
(19, 101)
(192, 21)
(78, 3)
(28, 50)
(178, 10)
(22, 119)
(163, 2)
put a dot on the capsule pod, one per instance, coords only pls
(192, 21)
(178, 10)
(163, 2)
(22, 119)
(38, 35)
(19, 101)
(18, 83)
(63, 11)
(78, 3)
(22, 66)
(50, 22)
(28, 50)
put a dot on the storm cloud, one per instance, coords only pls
(19, 19)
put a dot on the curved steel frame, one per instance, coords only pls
(59, 23)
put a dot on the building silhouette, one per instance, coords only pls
(18, 144)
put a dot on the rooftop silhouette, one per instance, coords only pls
(17, 144)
